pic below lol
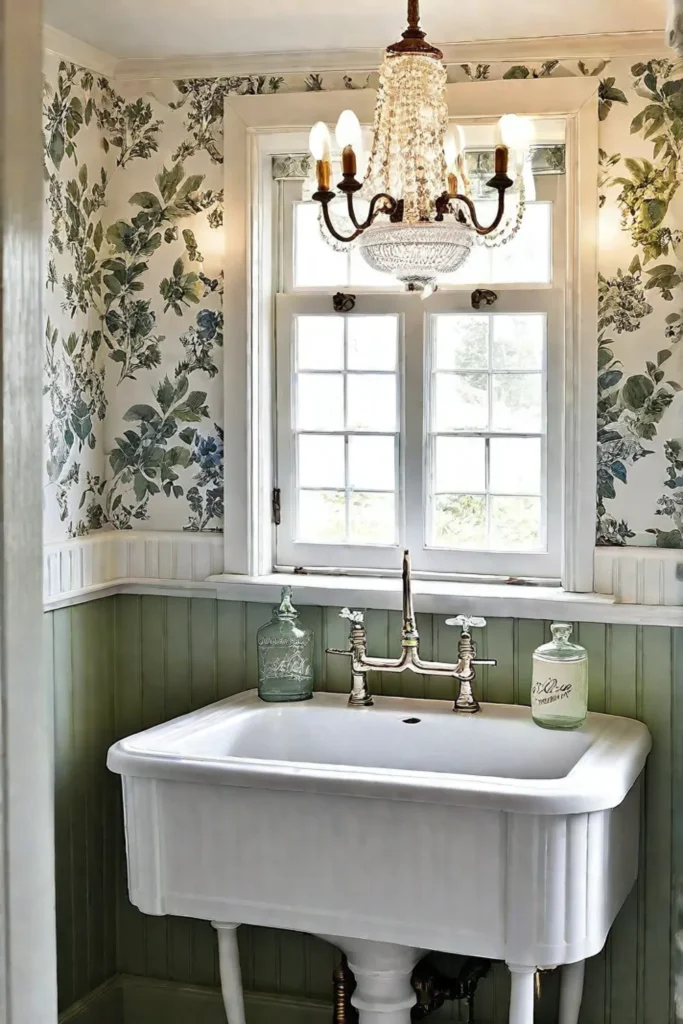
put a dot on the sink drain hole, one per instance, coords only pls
(411, 721)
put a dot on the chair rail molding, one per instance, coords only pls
(633, 585)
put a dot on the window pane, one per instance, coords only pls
(372, 519)
(315, 263)
(515, 524)
(459, 521)
(526, 259)
(461, 401)
(373, 342)
(477, 267)
(460, 464)
(320, 401)
(462, 342)
(515, 465)
(322, 518)
(321, 461)
(371, 401)
(517, 402)
(319, 343)
(518, 342)
(372, 463)
(361, 274)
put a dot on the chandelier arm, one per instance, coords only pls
(391, 206)
(333, 231)
(479, 228)
(351, 211)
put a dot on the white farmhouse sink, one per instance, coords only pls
(390, 830)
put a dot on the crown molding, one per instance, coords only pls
(78, 52)
(614, 44)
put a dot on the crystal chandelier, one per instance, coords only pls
(427, 226)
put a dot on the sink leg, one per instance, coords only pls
(384, 994)
(521, 994)
(231, 976)
(571, 991)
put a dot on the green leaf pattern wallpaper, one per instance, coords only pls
(134, 285)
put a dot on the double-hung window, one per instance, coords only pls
(430, 424)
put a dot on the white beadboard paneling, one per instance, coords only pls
(652, 576)
(77, 567)
(633, 585)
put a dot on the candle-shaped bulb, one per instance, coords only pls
(319, 142)
(348, 132)
(515, 132)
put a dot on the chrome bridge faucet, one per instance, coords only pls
(410, 660)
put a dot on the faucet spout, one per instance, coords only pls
(411, 637)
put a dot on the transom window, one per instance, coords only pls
(428, 424)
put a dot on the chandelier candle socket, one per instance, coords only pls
(414, 171)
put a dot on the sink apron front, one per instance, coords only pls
(384, 878)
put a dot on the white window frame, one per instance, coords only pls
(414, 362)
(258, 127)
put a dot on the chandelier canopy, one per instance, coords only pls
(413, 172)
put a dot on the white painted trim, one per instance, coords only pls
(190, 565)
(581, 329)
(614, 44)
(442, 598)
(28, 981)
(78, 52)
(646, 576)
(256, 125)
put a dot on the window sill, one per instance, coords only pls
(444, 598)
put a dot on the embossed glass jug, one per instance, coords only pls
(559, 687)
(285, 655)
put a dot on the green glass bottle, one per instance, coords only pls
(285, 655)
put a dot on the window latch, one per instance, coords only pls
(483, 295)
(276, 506)
(343, 303)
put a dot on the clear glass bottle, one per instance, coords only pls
(285, 655)
(559, 687)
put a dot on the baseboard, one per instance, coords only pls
(104, 1005)
(148, 1001)
(127, 999)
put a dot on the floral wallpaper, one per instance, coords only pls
(133, 343)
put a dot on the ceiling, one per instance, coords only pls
(171, 28)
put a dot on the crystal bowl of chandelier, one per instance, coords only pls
(421, 222)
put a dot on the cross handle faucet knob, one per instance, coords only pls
(354, 617)
(468, 622)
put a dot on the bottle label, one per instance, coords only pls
(557, 687)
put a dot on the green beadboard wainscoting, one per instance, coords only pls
(124, 663)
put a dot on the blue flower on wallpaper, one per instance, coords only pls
(206, 496)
